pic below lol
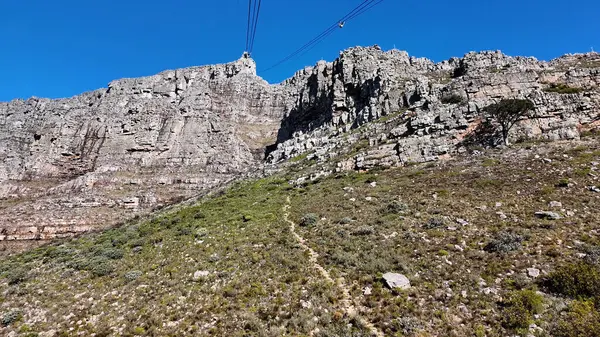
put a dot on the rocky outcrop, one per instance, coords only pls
(91, 161)
(414, 110)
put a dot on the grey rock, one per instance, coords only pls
(396, 281)
(533, 272)
(548, 215)
(462, 222)
(555, 204)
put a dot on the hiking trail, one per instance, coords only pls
(346, 302)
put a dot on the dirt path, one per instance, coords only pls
(346, 302)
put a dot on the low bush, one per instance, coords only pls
(452, 99)
(10, 317)
(363, 230)
(434, 223)
(520, 307)
(394, 207)
(504, 242)
(97, 265)
(309, 219)
(102, 268)
(582, 320)
(577, 280)
(112, 253)
(346, 220)
(562, 88)
(16, 275)
(133, 275)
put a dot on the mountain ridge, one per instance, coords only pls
(70, 164)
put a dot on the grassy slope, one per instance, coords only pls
(261, 283)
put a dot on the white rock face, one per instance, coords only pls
(397, 281)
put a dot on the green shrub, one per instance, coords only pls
(139, 242)
(10, 317)
(504, 242)
(592, 255)
(452, 99)
(434, 223)
(102, 268)
(394, 207)
(563, 182)
(60, 252)
(309, 219)
(488, 162)
(582, 320)
(199, 215)
(408, 326)
(112, 253)
(139, 330)
(97, 265)
(17, 275)
(520, 307)
(562, 88)
(200, 233)
(578, 280)
(184, 231)
(133, 275)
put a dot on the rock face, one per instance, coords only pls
(91, 161)
(412, 109)
(81, 163)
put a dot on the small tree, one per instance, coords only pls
(508, 111)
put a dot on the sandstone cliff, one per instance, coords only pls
(87, 162)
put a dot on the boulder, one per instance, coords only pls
(396, 281)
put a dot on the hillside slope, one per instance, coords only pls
(291, 256)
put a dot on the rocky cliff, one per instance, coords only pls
(76, 164)
(413, 110)
(90, 161)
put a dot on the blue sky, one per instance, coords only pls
(61, 48)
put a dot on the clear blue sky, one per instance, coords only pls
(60, 48)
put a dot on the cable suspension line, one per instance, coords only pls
(357, 11)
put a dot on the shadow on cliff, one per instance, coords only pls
(312, 110)
(485, 134)
(315, 108)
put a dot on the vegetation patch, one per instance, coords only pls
(519, 308)
(577, 280)
(582, 320)
(562, 88)
(453, 99)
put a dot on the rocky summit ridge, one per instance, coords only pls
(88, 162)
